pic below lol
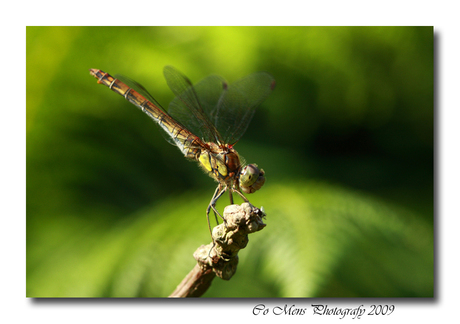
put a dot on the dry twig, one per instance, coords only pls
(221, 258)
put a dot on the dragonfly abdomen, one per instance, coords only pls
(181, 137)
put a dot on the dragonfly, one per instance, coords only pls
(205, 121)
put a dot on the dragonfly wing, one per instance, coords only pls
(193, 103)
(237, 105)
(209, 92)
(139, 88)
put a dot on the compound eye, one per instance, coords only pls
(249, 175)
(251, 178)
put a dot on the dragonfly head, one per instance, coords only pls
(251, 178)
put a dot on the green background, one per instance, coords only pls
(346, 141)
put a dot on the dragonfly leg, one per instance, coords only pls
(215, 216)
(231, 196)
(213, 209)
(217, 194)
(241, 195)
(214, 199)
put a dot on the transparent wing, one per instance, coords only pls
(237, 105)
(193, 103)
(139, 88)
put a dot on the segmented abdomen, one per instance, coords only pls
(187, 142)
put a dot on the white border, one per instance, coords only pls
(15, 16)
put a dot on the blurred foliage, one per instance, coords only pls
(346, 141)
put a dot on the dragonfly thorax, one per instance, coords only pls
(224, 165)
(221, 162)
